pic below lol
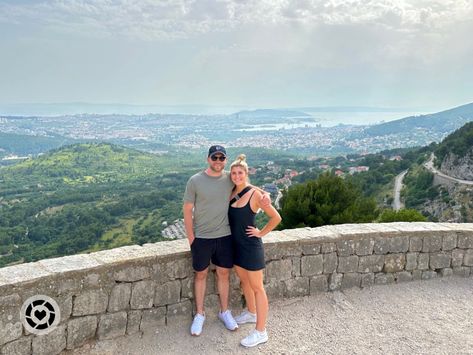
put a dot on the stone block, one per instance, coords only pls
(381, 245)
(133, 322)
(367, 279)
(112, 325)
(168, 293)
(152, 319)
(468, 258)
(50, 344)
(297, 287)
(312, 265)
(440, 260)
(449, 242)
(187, 288)
(465, 241)
(65, 305)
(394, 262)
(457, 257)
(364, 247)
(346, 247)
(415, 244)
(417, 274)
(278, 251)
(403, 276)
(461, 271)
(119, 297)
(212, 301)
(142, 294)
(172, 270)
(335, 281)
(399, 244)
(423, 261)
(328, 248)
(179, 311)
(350, 280)
(9, 331)
(279, 269)
(371, 263)
(383, 279)
(90, 302)
(296, 266)
(411, 261)
(311, 249)
(446, 272)
(347, 264)
(318, 284)
(428, 274)
(21, 346)
(132, 274)
(432, 243)
(80, 330)
(330, 263)
(275, 289)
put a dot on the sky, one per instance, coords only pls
(251, 53)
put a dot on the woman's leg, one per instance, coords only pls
(247, 290)
(256, 283)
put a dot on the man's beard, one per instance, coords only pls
(217, 168)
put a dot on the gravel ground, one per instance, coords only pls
(421, 317)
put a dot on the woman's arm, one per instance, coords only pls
(274, 217)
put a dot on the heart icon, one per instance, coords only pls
(40, 314)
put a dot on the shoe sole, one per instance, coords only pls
(253, 345)
(247, 321)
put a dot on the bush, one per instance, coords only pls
(403, 215)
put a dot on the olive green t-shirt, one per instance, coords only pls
(210, 196)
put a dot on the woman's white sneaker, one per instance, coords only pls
(246, 317)
(255, 338)
(197, 324)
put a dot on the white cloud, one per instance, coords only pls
(167, 19)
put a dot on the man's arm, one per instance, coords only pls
(265, 200)
(188, 221)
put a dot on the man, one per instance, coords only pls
(206, 222)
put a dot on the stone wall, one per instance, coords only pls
(136, 289)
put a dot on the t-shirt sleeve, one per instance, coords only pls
(189, 194)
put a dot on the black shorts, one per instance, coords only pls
(219, 250)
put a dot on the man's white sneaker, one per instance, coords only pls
(255, 338)
(197, 324)
(227, 319)
(245, 317)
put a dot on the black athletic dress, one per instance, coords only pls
(248, 251)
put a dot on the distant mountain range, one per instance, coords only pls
(442, 122)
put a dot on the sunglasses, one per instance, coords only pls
(220, 157)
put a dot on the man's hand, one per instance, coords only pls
(265, 200)
(190, 239)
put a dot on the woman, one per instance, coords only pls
(248, 249)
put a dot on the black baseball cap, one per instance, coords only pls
(217, 149)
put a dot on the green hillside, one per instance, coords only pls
(458, 143)
(87, 197)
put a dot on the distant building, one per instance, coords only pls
(358, 169)
(324, 166)
(396, 157)
(339, 173)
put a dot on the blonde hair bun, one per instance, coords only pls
(241, 157)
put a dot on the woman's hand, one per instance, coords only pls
(253, 232)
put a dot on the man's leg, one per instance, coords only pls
(200, 284)
(223, 286)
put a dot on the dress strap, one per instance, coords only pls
(240, 195)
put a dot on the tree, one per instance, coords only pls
(403, 215)
(326, 200)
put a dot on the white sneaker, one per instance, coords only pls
(197, 324)
(255, 338)
(245, 317)
(227, 319)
